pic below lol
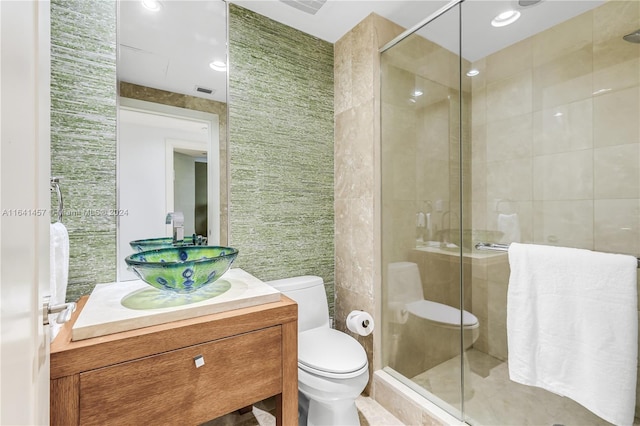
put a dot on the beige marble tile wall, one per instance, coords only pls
(134, 91)
(556, 134)
(357, 136)
(556, 137)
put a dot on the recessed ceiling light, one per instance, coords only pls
(558, 114)
(528, 3)
(153, 5)
(473, 72)
(218, 66)
(418, 93)
(505, 18)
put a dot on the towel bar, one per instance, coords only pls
(55, 186)
(503, 247)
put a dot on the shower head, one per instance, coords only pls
(633, 37)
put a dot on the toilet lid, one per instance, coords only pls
(440, 313)
(327, 350)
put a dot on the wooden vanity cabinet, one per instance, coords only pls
(184, 373)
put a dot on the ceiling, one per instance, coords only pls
(171, 49)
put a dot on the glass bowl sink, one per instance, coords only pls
(160, 243)
(182, 269)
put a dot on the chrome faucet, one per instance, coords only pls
(177, 218)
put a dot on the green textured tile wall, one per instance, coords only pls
(281, 149)
(83, 135)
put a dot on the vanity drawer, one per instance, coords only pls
(168, 388)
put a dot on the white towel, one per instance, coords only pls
(572, 326)
(427, 217)
(509, 225)
(58, 270)
(420, 220)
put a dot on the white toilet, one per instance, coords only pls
(332, 366)
(430, 331)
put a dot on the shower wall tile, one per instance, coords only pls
(564, 223)
(618, 76)
(570, 66)
(397, 91)
(479, 215)
(509, 139)
(281, 149)
(83, 135)
(345, 129)
(509, 97)
(404, 172)
(561, 40)
(563, 92)
(510, 61)
(353, 162)
(563, 128)
(479, 153)
(611, 21)
(479, 182)
(564, 176)
(362, 62)
(614, 19)
(617, 226)
(617, 172)
(399, 228)
(357, 164)
(479, 106)
(436, 64)
(509, 180)
(615, 118)
(479, 81)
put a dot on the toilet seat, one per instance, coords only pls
(439, 313)
(330, 353)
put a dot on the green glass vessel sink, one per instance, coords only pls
(182, 269)
(163, 242)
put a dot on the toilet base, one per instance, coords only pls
(326, 401)
(315, 413)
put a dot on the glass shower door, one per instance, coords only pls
(552, 122)
(422, 211)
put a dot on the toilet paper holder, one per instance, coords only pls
(360, 322)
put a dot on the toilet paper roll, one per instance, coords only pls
(360, 322)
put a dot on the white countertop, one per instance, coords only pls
(130, 305)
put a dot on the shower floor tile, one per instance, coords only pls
(492, 399)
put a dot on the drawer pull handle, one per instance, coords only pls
(199, 361)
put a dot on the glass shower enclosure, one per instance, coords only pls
(528, 132)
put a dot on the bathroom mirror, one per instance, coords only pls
(171, 70)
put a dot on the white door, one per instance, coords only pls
(24, 204)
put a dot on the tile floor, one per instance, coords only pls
(492, 399)
(370, 412)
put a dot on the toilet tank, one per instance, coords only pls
(309, 293)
